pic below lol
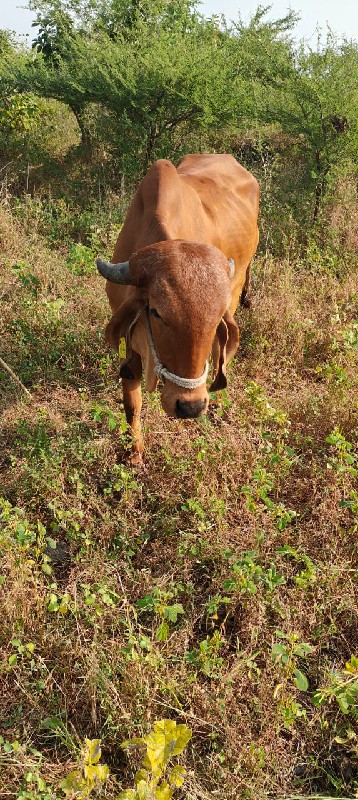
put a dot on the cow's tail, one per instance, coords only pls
(245, 294)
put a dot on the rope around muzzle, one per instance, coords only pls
(163, 373)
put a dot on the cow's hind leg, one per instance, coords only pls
(245, 300)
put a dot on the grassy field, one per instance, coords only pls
(216, 587)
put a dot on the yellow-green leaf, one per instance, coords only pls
(90, 772)
(92, 751)
(183, 736)
(135, 742)
(64, 604)
(156, 742)
(73, 783)
(162, 632)
(141, 775)
(144, 791)
(352, 665)
(163, 792)
(102, 772)
(176, 777)
(300, 680)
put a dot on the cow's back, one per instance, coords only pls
(207, 198)
(230, 197)
(222, 168)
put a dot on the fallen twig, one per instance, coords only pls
(15, 378)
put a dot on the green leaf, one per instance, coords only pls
(302, 649)
(300, 680)
(51, 543)
(279, 653)
(343, 704)
(53, 604)
(90, 600)
(41, 528)
(171, 612)
(146, 602)
(12, 659)
(112, 423)
(162, 632)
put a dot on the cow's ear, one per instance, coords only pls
(228, 338)
(120, 326)
(219, 349)
(123, 319)
(233, 336)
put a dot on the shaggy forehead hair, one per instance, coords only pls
(193, 274)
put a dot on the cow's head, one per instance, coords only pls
(183, 289)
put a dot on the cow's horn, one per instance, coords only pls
(116, 273)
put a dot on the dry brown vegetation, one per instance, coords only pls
(244, 522)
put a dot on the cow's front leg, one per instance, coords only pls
(132, 400)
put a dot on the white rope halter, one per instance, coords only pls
(162, 372)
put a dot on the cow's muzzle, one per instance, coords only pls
(186, 409)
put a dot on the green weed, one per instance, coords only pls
(285, 655)
(157, 602)
(341, 687)
(207, 659)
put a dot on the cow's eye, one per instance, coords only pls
(154, 313)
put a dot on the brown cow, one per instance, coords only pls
(180, 266)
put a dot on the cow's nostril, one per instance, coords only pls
(185, 409)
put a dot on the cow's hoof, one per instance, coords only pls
(136, 461)
(213, 402)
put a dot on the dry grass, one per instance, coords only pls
(178, 532)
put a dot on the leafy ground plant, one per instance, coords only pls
(90, 776)
(159, 603)
(158, 779)
(341, 687)
(286, 654)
